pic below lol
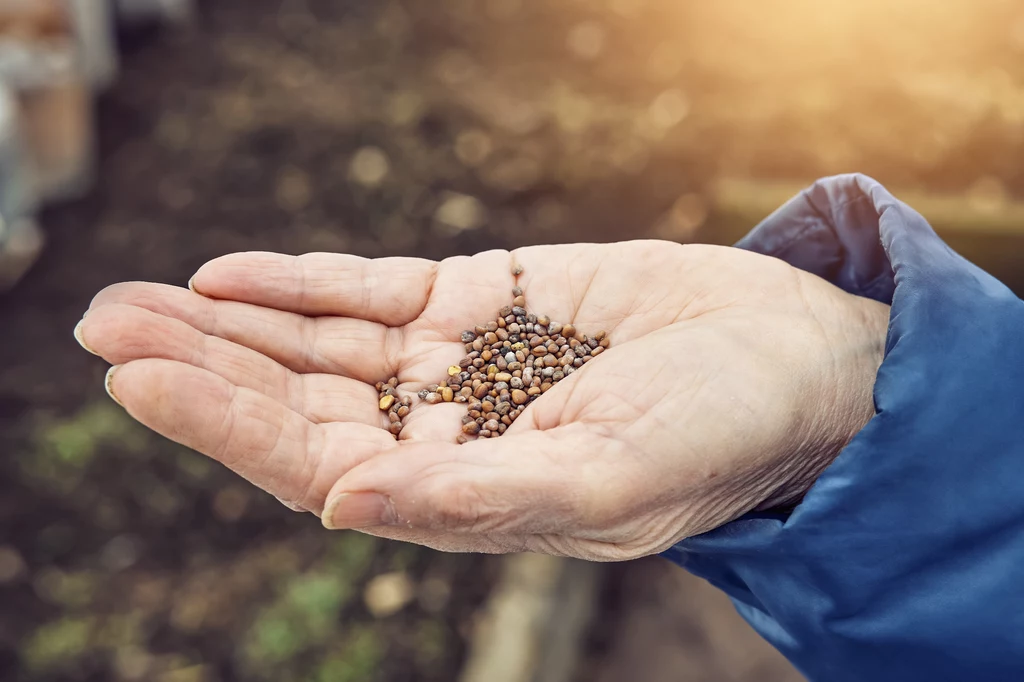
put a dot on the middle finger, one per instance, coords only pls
(122, 333)
(350, 347)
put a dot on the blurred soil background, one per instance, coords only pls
(429, 128)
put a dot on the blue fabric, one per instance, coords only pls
(905, 560)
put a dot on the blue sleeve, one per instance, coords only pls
(905, 560)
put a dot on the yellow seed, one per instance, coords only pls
(453, 370)
(519, 345)
(447, 394)
(386, 402)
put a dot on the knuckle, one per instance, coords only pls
(452, 504)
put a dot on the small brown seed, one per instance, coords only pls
(502, 335)
(393, 381)
(472, 428)
(550, 360)
(492, 327)
(568, 331)
(503, 376)
(507, 421)
(532, 390)
(447, 394)
(403, 412)
(519, 301)
(395, 428)
(519, 397)
(491, 425)
(481, 390)
(517, 270)
(393, 416)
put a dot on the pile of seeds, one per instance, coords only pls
(389, 402)
(510, 362)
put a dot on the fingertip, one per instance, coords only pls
(80, 337)
(351, 511)
(108, 383)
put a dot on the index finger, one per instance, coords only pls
(392, 291)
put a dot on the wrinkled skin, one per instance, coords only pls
(732, 381)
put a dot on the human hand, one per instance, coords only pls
(732, 381)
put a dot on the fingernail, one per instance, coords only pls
(80, 338)
(108, 383)
(358, 510)
(192, 286)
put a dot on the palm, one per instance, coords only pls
(272, 369)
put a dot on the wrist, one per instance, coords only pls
(841, 402)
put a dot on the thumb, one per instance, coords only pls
(513, 484)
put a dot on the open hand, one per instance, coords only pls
(732, 381)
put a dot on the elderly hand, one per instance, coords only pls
(732, 381)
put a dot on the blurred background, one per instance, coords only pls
(140, 138)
